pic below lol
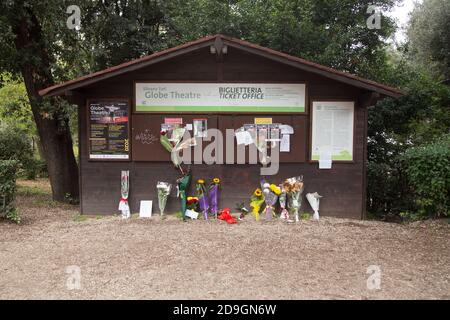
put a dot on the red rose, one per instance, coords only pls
(163, 133)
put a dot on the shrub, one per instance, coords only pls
(428, 173)
(8, 170)
(16, 145)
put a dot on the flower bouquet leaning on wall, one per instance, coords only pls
(282, 199)
(256, 201)
(294, 189)
(271, 193)
(214, 196)
(202, 194)
(183, 185)
(124, 193)
(163, 189)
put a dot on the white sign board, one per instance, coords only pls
(146, 209)
(332, 129)
(220, 97)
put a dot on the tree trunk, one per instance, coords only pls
(52, 126)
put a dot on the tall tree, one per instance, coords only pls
(27, 49)
(429, 39)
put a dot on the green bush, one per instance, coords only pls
(428, 173)
(16, 145)
(8, 170)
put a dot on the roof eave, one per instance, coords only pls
(232, 42)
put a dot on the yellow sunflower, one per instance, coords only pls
(216, 180)
(258, 192)
(201, 181)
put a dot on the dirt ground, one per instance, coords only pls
(169, 259)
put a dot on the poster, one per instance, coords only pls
(220, 97)
(200, 128)
(332, 129)
(108, 129)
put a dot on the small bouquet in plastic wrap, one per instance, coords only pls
(192, 203)
(163, 189)
(271, 193)
(282, 199)
(202, 194)
(294, 190)
(314, 201)
(214, 196)
(256, 202)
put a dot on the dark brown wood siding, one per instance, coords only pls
(342, 186)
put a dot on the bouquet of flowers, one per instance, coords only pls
(256, 202)
(192, 203)
(271, 193)
(124, 192)
(294, 190)
(214, 196)
(283, 203)
(163, 189)
(183, 185)
(314, 201)
(202, 195)
(167, 144)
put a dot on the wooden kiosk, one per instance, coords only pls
(219, 80)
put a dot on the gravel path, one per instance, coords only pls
(169, 259)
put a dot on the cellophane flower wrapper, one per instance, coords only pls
(163, 190)
(214, 198)
(124, 192)
(256, 203)
(202, 199)
(270, 199)
(183, 185)
(294, 187)
(283, 203)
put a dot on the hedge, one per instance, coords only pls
(428, 173)
(8, 169)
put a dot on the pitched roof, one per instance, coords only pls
(232, 42)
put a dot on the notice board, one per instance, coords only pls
(332, 129)
(108, 129)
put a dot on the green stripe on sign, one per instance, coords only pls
(219, 108)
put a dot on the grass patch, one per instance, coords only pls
(80, 218)
(31, 191)
(305, 216)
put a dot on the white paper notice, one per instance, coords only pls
(325, 160)
(244, 137)
(285, 144)
(332, 128)
(145, 210)
(191, 214)
(286, 129)
(188, 126)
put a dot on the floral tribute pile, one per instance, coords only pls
(270, 200)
